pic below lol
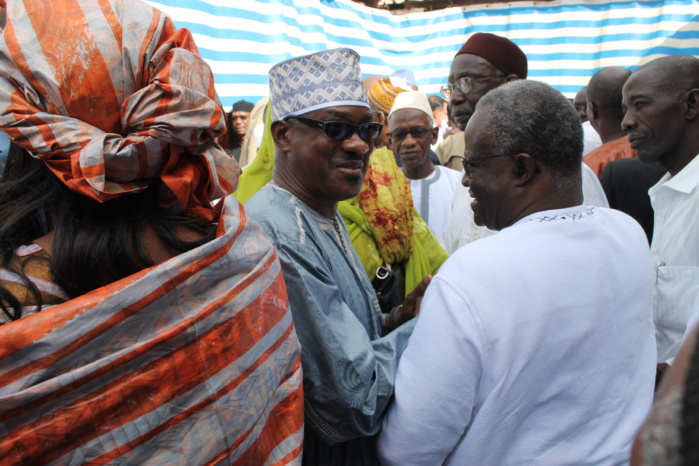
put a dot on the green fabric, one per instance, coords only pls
(259, 172)
(426, 258)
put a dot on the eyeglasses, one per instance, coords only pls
(416, 132)
(242, 117)
(341, 130)
(469, 162)
(464, 84)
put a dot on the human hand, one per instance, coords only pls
(410, 307)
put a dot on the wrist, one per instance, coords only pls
(391, 321)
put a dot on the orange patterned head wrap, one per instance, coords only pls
(383, 93)
(110, 95)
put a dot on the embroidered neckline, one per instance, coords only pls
(588, 212)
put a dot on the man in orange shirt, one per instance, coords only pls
(605, 114)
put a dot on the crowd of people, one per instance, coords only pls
(496, 275)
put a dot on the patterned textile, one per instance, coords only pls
(192, 361)
(385, 228)
(384, 92)
(110, 96)
(34, 261)
(323, 79)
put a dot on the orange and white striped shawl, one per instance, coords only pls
(193, 361)
(110, 95)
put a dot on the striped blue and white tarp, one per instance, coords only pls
(566, 41)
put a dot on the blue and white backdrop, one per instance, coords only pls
(566, 41)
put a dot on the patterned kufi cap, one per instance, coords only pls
(323, 79)
(383, 93)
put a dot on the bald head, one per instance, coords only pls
(604, 101)
(604, 89)
(673, 74)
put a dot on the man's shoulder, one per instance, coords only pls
(275, 210)
(613, 150)
(484, 252)
(634, 169)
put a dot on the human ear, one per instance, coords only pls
(280, 133)
(435, 135)
(525, 168)
(692, 103)
(511, 77)
(389, 142)
(591, 111)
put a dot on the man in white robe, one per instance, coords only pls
(411, 131)
(536, 345)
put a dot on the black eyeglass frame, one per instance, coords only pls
(349, 128)
(468, 162)
(421, 130)
(464, 84)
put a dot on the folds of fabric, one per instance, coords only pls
(109, 94)
(387, 203)
(260, 171)
(193, 361)
(384, 226)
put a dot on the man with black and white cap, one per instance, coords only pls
(323, 131)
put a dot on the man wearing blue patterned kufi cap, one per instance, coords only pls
(323, 132)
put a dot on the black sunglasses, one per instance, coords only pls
(416, 132)
(341, 130)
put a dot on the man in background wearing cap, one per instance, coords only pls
(524, 352)
(483, 63)
(381, 95)
(411, 132)
(237, 126)
(323, 133)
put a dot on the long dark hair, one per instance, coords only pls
(94, 244)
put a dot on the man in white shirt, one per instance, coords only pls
(535, 345)
(661, 101)
(411, 131)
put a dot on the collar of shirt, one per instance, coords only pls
(685, 181)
